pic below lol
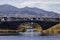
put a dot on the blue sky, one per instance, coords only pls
(50, 5)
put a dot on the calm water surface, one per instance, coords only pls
(30, 36)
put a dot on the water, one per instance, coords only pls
(28, 35)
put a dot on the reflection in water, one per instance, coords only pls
(30, 35)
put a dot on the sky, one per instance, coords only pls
(49, 5)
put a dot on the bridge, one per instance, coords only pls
(42, 25)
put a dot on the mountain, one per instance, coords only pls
(37, 11)
(9, 9)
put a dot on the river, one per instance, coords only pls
(29, 35)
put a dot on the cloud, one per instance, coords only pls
(31, 3)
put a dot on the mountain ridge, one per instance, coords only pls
(9, 9)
